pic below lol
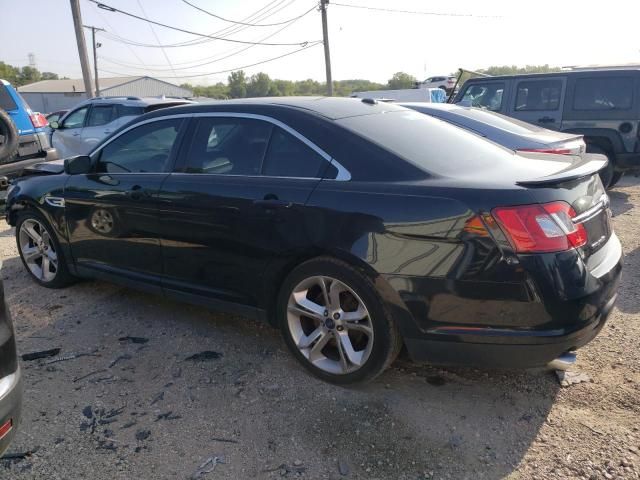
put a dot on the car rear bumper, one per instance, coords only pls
(568, 308)
(10, 405)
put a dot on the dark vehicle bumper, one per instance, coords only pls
(628, 161)
(567, 310)
(10, 405)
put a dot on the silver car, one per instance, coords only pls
(83, 127)
(508, 132)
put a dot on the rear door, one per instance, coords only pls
(67, 139)
(236, 202)
(539, 101)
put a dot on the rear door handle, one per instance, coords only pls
(547, 120)
(272, 203)
(107, 132)
(75, 134)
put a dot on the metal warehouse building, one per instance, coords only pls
(52, 95)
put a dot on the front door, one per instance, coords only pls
(98, 126)
(112, 212)
(237, 202)
(539, 101)
(67, 139)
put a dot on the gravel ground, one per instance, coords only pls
(133, 405)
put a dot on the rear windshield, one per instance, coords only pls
(430, 144)
(6, 100)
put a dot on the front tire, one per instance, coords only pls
(335, 323)
(40, 251)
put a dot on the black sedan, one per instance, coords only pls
(10, 378)
(356, 227)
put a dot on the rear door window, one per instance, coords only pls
(128, 111)
(6, 100)
(606, 93)
(101, 115)
(289, 157)
(486, 95)
(538, 95)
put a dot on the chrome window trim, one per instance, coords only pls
(343, 174)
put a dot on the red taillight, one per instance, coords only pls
(5, 428)
(557, 151)
(38, 120)
(541, 228)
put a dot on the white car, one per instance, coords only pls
(87, 124)
(445, 82)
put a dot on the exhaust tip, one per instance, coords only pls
(563, 362)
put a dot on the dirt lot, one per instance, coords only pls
(141, 409)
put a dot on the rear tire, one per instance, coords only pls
(9, 138)
(608, 173)
(40, 251)
(335, 323)
(616, 178)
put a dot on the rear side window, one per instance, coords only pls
(488, 95)
(289, 157)
(538, 95)
(101, 115)
(128, 111)
(606, 93)
(6, 100)
(228, 146)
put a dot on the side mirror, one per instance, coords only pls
(55, 125)
(78, 165)
(4, 182)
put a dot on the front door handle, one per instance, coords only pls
(547, 120)
(272, 203)
(137, 192)
(75, 134)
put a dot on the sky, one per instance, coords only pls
(364, 43)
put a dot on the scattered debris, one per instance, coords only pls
(567, 378)
(87, 412)
(208, 466)
(204, 356)
(167, 416)
(436, 380)
(19, 455)
(142, 435)
(343, 467)
(71, 356)
(126, 356)
(591, 428)
(138, 340)
(77, 379)
(287, 469)
(27, 357)
(223, 440)
(157, 398)
(129, 425)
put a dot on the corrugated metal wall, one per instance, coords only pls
(147, 87)
(52, 102)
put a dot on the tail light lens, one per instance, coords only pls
(541, 228)
(5, 428)
(38, 120)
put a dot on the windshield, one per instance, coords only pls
(431, 144)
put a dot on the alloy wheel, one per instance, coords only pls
(330, 325)
(102, 221)
(38, 250)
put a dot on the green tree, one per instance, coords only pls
(401, 80)
(49, 76)
(237, 84)
(9, 73)
(308, 87)
(259, 85)
(284, 88)
(28, 75)
(515, 70)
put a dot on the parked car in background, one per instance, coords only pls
(444, 82)
(30, 127)
(602, 105)
(10, 378)
(81, 129)
(55, 116)
(355, 226)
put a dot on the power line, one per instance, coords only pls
(413, 12)
(240, 22)
(112, 9)
(310, 45)
(156, 37)
(210, 60)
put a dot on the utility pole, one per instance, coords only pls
(95, 55)
(325, 41)
(82, 47)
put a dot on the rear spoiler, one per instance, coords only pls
(587, 165)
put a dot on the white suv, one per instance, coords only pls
(83, 127)
(445, 82)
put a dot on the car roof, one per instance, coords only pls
(332, 108)
(132, 101)
(613, 71)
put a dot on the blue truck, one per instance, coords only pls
(24, 139)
